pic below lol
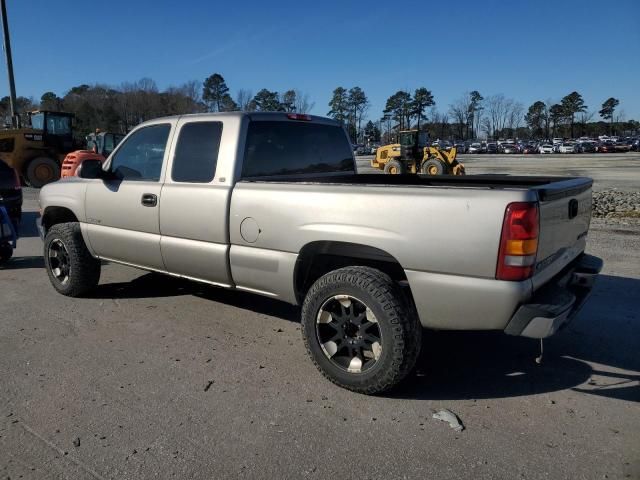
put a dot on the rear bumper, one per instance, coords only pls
(556, 304)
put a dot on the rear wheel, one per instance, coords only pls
(394, 167)
(40, 171)
(359, 329)
(71, 268)
(434, 166)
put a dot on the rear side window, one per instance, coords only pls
(288, 148)
(197, 152)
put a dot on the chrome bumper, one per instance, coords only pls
(557, 303)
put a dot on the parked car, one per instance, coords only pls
(461, 147)
(585, 147)
(566, 148)
(557, 141)
(545, 148)
(606, 147)
(492, 148)
(531, 148)
(622, 147)
(11, 193)
(179, 197)
(475, 148)
(509, 148)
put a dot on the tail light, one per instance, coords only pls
(519, 241)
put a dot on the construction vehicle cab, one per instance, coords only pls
(99, 146)
(36, 151)
(413, 154)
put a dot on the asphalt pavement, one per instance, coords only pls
(153, 377)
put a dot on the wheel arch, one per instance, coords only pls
(54, 215)
(318, 258)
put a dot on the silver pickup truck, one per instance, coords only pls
(271, 203)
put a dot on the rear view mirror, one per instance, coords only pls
(91, 169)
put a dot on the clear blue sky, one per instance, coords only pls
(527, 50)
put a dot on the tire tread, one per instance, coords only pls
(85, 269)
(407, 330)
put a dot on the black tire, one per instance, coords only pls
(395, 167)
(40, 171)
(433, 166)
(6, 252)
(400, 332)
(81, 269)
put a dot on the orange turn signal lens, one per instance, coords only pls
(521, 247)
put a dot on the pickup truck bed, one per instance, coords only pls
(443, 232)
(380, 252)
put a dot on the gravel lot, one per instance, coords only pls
(159, 378)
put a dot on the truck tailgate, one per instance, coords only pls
(565, 214)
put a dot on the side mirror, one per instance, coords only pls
(91, 168)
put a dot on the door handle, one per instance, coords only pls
(149, 200)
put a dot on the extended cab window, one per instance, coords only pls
(140, 157)
(197, 152)
(295, 148)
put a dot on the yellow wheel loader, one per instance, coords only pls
(413, 154)
(36, 152)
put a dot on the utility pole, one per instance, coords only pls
(7, 54)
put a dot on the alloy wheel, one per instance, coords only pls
(348, 333)
(59, 261)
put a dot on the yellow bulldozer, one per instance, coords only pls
(36, 152)
(413, 154)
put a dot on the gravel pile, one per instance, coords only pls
(613, 203)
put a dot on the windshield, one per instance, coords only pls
(407, 139)
(58, 125)
(37, 121)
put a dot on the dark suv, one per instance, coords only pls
(10, 193)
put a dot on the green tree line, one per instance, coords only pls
(472, 115)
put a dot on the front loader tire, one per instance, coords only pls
(40, 171)
(395, 167)
(434, 166)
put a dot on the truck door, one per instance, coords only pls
(194, 207)
(122, 213)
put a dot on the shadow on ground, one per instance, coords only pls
(152, 285)
(20, 263)
(474, 365)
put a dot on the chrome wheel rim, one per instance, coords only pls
(349, 334)
(59, 261)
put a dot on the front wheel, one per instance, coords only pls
(360, 330)
(71, 268)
